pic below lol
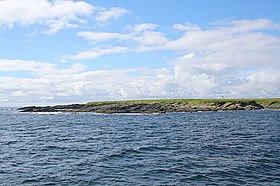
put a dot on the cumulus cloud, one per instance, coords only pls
(39, 68)
(233, 59)
(236, 59)
(104, 15)
(186, 27)
(56, 14)
(235, 45)
(18, 65)
(141, 35)
(75, 85)
(149, 40)
(96, 52)
(102, 36)
(142, 27)
(262, 82)
(135, 30)
(230, 41)
(46, 81)
(245, 25)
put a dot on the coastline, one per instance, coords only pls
(162, 106)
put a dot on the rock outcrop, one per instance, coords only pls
(153, 106)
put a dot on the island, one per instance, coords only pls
(161, 106)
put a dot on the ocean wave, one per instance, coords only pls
(231, 148)
(151, 148)
(134, 151)
(47, 113)
(125, 114)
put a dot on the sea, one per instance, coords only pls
(199, 148)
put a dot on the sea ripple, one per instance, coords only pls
(206, 148)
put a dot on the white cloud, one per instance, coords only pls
(186, 27)
(231, 46)
(96, 52)
(220, 61)
(17, 94)
(17, 65)
(231, 43)
(73, 84)
(150, 41)
(141, 38)
(39, 68)
(135, 31)
(56, 14)
(252, 25)
(2, 99)
(227, 35)
(104, 15)
(66, 86)
(102, 36)
(142, 27)
(262, 82)
(236, 59)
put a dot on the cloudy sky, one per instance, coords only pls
(67, 51)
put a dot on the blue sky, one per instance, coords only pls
(66, 51)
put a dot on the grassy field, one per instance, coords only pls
(261, 101)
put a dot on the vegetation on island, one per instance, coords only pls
(265, 101)
(163, 105)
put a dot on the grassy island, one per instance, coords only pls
(163, 105)
(261, 101)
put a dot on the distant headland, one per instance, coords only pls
(162, 106)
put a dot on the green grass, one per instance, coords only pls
(261, 101)
(268, 101)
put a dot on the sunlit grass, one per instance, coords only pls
(261, 101)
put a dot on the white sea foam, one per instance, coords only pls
(48, 113)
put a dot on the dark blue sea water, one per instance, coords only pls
(205, 148)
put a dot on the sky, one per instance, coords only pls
(76, 51)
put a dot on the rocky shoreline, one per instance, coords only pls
(156, 106)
